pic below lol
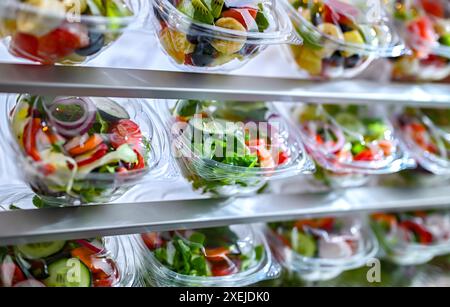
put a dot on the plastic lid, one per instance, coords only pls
(225, 256)
(425, 133)
(236, 141)
(351, 139)
(351, 26)
(322, 248)
(76, 263)
(81, 149)
(253, 21)
(413, 237)
(425, 25)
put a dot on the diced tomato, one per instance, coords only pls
(386, 146)
(141, 161)
(319, 140)
(47, 169)
(24, 46)
(265, 158)
(85, 255)
(321, 223)
(224, 268)
(62, 42)
(251, 10)
(98, 153)
(126, 132)
(10, 280)
(425, 237)
(365, 155)
(152, 240)
(417, 127)
(282, 157)
(188, 59)
(103, 283)
(216, 254)
(422, 32)
(434, 7)
(434, 60)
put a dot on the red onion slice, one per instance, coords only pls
(90, 246)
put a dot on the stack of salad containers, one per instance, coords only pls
(412, 238)
(323, 248)
(426, 134)
(77, 263)
(74, 150)
(205, 35)
(350, 142)
(425, 25)
(66, 32)
(233, 148)
(223, 257)
(340, 38)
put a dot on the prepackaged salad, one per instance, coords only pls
(218, 34)
(426, 134)
(65, 31)
(75, 263)
(75, 150)
(425, 25)
(322, 248)
(226, 148)
(225, 256)
(411, 238)
(340, 38)
(350, 139)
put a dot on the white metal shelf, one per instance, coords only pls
(113, 82)
(20, 226)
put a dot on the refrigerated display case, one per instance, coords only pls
(162, 202)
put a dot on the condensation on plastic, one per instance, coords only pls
(399, 250)
(196, 167)
(430, 60)
(114, 260)
(56, 184)
(326, 53)
(249, 237)
(172, 27)
(334, 254)
(14, 11)
(432, 137)
(345, 163)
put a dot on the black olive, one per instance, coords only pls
(353, 61)
(345, 28)
(39, 269)
(96, 43)
(316, 19)
(336, 60)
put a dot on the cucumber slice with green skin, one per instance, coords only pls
(68, 272)
(40, 250)
(110, 110)
(305, 245)
(350, 122)
(213, 126)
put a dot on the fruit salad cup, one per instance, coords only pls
(426, 134)
(75, 150)
(227, 256)
(205, 35)
(229, 148)
(351, 139)
(76, 263)
(425, 24)
(340, 38)
(412, 238)
(322, 248)
(65, 32)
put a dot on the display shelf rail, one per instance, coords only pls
(24, 226)
(115, 82)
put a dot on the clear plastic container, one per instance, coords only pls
(425, 26)
(426, 134)
(74, 150)
(413, 238)
(331, 180)
(229, 148)
(206, 35)
(323, 248)
(231, 256)
(76, 263)
(66, 32)
(340, 38)
(351, 139)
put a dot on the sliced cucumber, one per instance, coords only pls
(40, 250)
(68, 272)
(350, 122)
(110, 110)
